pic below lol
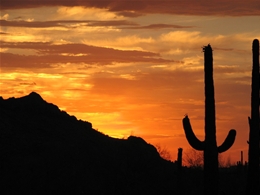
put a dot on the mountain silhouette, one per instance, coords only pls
(44, 150)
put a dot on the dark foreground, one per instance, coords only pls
(46, 151)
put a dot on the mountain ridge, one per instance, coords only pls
(45, 150)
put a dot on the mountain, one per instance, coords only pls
(43, 150)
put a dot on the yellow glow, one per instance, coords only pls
(127, 76)
(49, 76)
(193, 62)
(4, 17)
(100, 121)
(159, 66)
(13, 75)
(24, 35)
(79, 12)
(123, 43)
(177, 51)
(3, 49)
(181, 36)
(70, 54)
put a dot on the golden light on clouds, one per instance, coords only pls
(132, 70)
(83, 13)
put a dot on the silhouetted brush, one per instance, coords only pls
(209, 145)
(253, 154)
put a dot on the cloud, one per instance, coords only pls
(4, 17)
(49, 54)
(123, 24)
(131, 8)
(128, 42)
(158, 26)
(82, 12)
(185, 46)
(65, 23)
(3, 33)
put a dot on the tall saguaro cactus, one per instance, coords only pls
(209, 145)
(253, 161)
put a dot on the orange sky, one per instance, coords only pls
(133, 67)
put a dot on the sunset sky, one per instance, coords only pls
(133, 67)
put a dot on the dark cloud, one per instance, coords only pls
(159, 26)
(49, 53)
(132, 8)
(21, 23)
(3, 33)
(129, 14)
(123, 24)
(28, 83)
(64, 23)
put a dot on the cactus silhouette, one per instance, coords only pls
(179, 159)
(209, 145)
(253, 160)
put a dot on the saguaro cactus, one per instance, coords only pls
(241, 158)
(179, 159)
(253, 160)
(209, 145)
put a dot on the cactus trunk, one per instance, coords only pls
(209, 145)
(179, 159)
(253, 160)
(241, 158)
(210, 149)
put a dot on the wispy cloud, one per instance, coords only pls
(3, 33)
(70, 24)
(158, 26)
(49, 54)
(65, 23)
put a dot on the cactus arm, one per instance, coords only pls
(192, 139)
(229, 141)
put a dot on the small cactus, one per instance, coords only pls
(241, 158)
(209, 145)
(179, 159)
